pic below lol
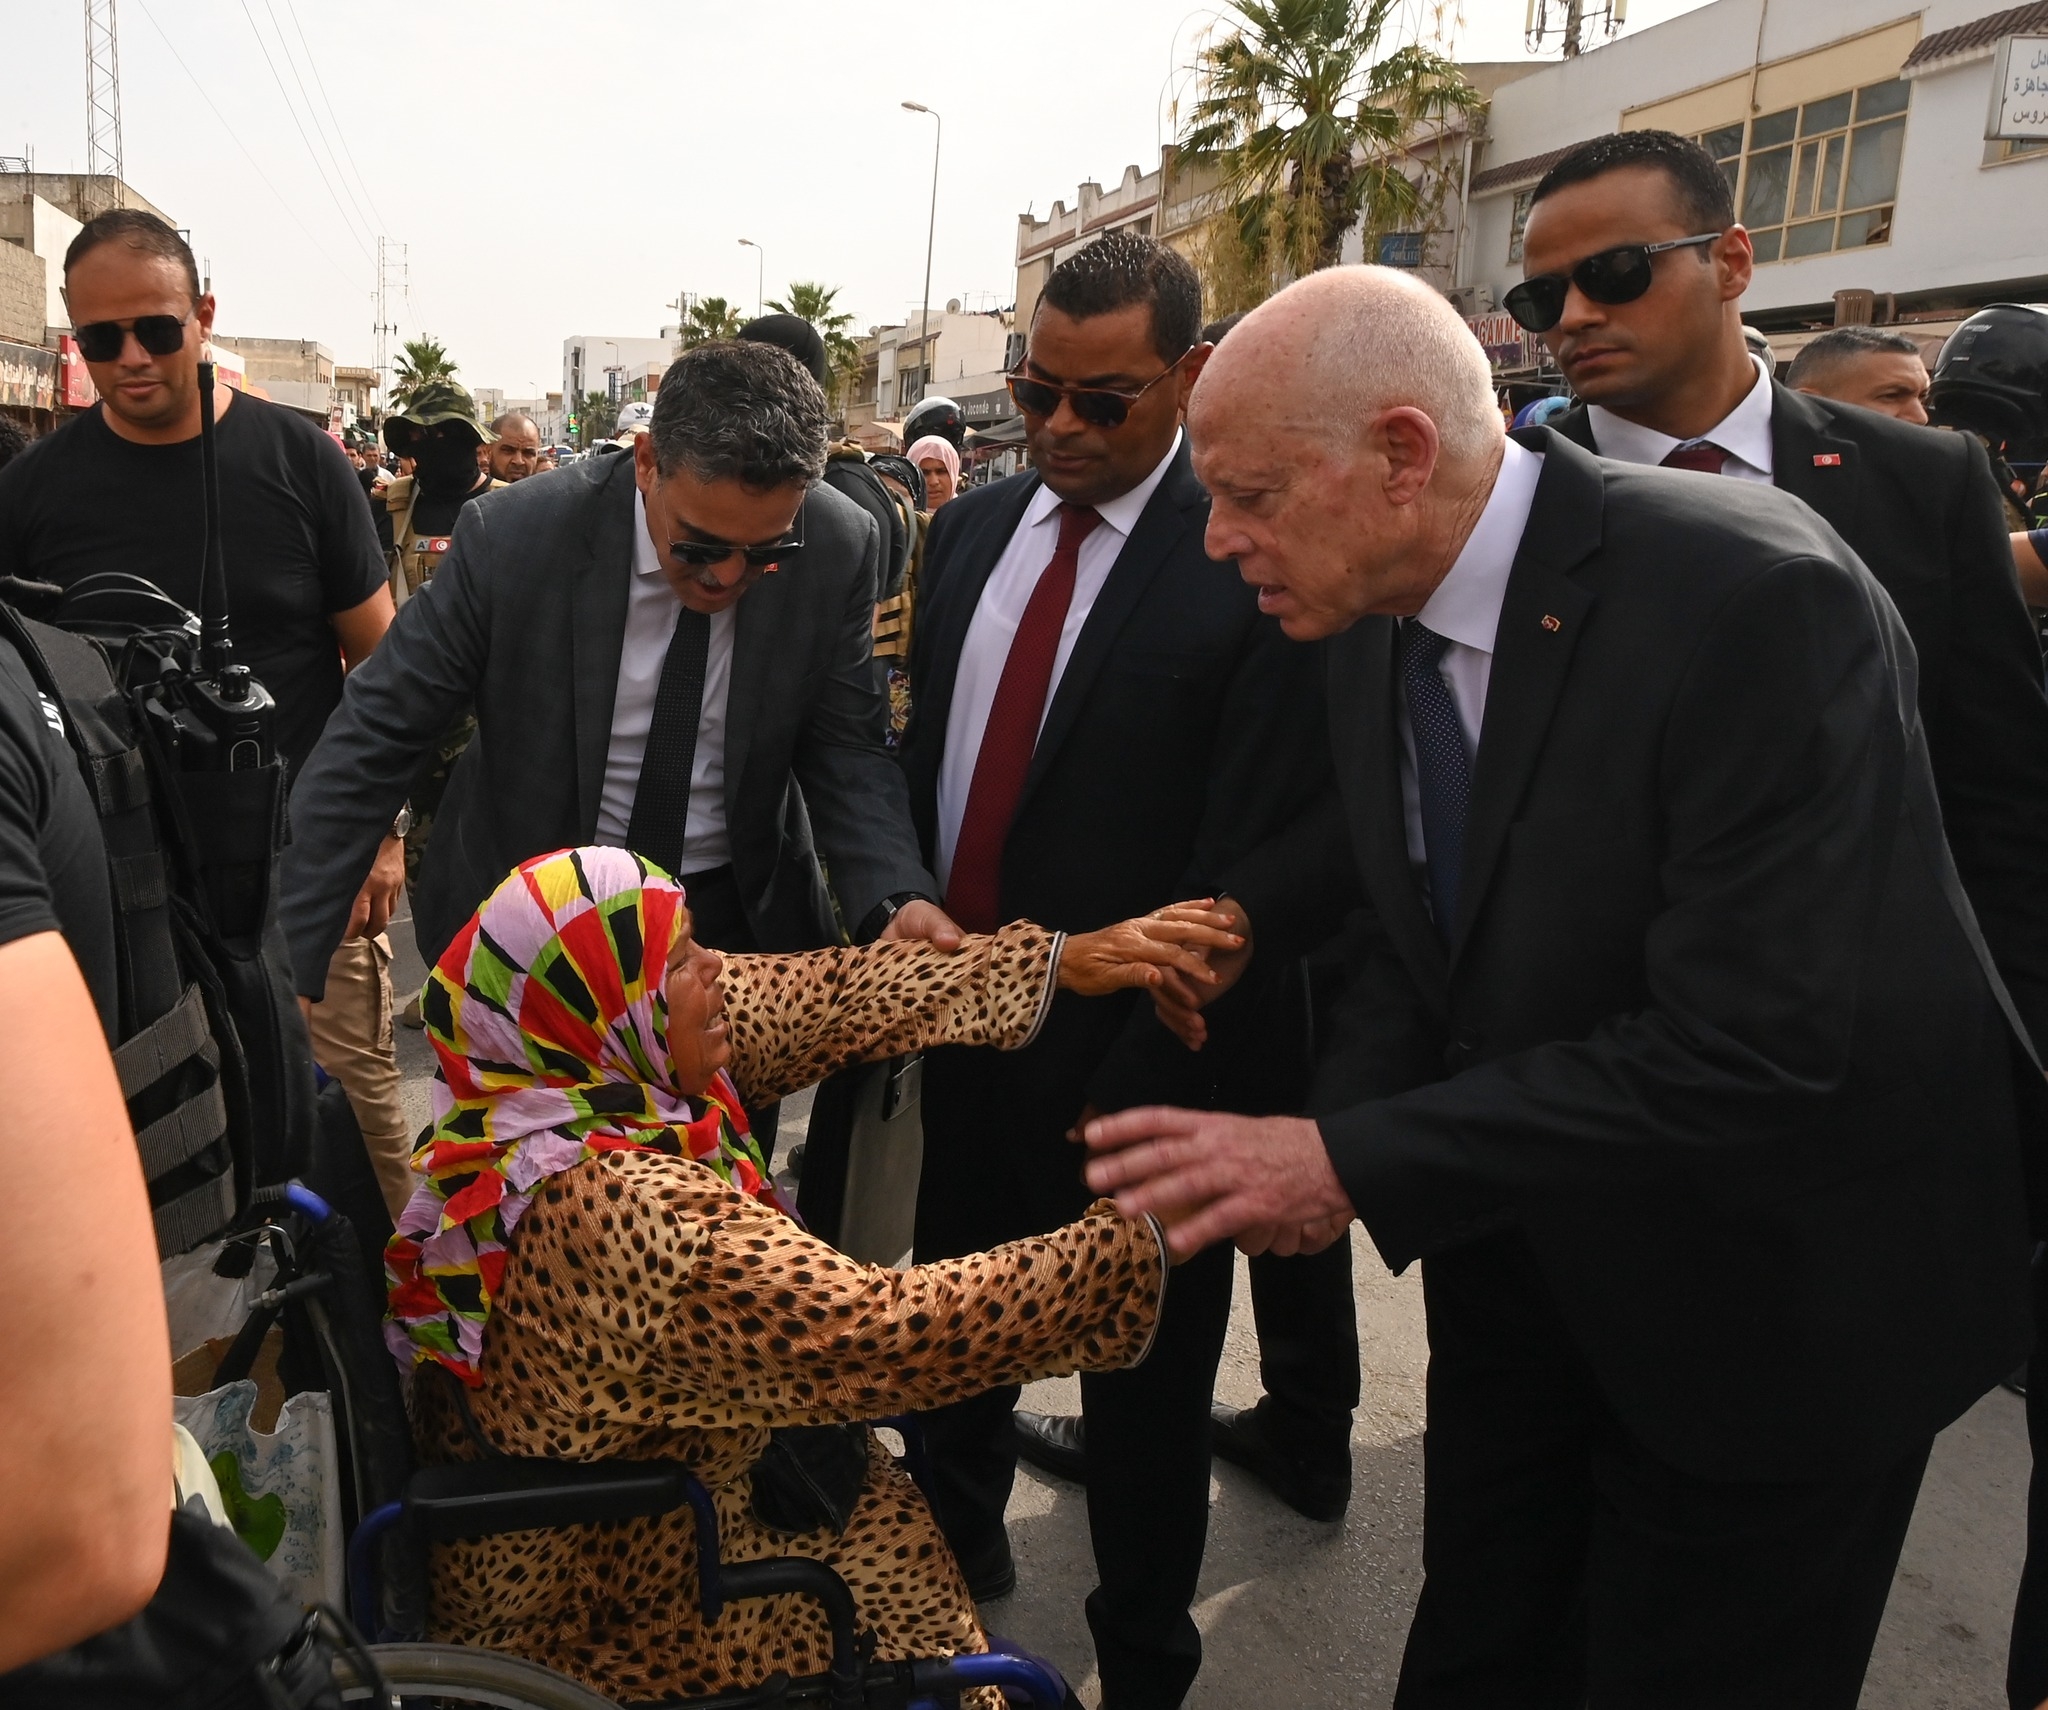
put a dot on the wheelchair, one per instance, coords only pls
(327, 1291)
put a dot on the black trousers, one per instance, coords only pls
(1148, 1487)
(719, 919)
(1307, 1318)
(1568, 1569)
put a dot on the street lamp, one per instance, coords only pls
(924, 336)
(760, 271)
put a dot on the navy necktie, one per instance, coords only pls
(1443, 767)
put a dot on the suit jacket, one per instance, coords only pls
(1714, 1031)
(525, 620)
(1921, 509)
(1183, 731)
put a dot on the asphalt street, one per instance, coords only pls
(1312, 1616)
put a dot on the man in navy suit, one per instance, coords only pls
(1103, 723)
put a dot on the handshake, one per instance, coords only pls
(1264, 1182)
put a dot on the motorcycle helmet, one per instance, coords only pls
(1992, 375)
(939, 416)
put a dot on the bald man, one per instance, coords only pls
(516, 451)
(1670, 1044)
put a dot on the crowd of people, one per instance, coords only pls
(1601, 858)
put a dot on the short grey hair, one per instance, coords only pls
(733, 411)
(1841, 344)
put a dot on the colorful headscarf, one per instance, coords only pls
(549, 1013)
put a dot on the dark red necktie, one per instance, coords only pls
(1707, 459)
(974, 886)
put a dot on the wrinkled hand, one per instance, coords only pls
(925, 920)
(1174, 941)
(1179, 1002)
(1265, 1182)
(377, 901)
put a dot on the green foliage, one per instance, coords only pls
(420, 360)
(1304, 119)
(598, 419)
(812, 301)
(709, 318)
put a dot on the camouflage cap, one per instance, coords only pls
(436, 402)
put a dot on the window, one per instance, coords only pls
(1819, 177)
(1517, 221)
(1725, 145)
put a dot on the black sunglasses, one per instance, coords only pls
(103, 341)
(708, 555)
(1618, 275)
(1095, 405)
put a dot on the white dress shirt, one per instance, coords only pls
(1744, 434)
(1465, 610)
(651, 611)
(994, 626)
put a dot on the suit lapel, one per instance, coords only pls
(597, 634)
(1162, 523)
(1362, 685)
(1809, 459)
(1540, 619)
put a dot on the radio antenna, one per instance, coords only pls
(216, 646)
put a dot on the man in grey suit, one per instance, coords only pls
(668, 652)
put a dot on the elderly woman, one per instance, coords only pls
(596, 1264)
(939, 463)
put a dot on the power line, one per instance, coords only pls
(333, 159)
(285, 96)
(320, 83)
(237, 141)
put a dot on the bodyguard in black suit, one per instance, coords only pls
(558, 604)
(1179, 729)
(1672, 1048)
(1666, 374)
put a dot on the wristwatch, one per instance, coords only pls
(403, 823)
(886, 910)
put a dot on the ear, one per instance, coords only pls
(1409, 442)
(644, 472)
(1191, 366)
(202, 311)
(1735, 262)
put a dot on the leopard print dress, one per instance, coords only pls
(649, 1312)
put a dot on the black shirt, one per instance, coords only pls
(53, 866)
(297, 538)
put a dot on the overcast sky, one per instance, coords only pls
(570, 167)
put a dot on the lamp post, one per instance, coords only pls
(760, 271)
(924, 337)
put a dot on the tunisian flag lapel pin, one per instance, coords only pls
(1827, 460)
(1550, 623)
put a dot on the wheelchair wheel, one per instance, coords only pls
(455, 1675)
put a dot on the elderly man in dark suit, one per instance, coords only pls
(1102, 719)
(1672, 1047)
(667, 651)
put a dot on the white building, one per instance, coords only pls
(1852, 133)
(593, 362)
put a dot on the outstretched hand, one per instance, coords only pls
(1179, 1002)
(1264, 1182)
(1176, 940)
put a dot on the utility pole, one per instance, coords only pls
(924, 336)
(1574, 22)
(391, 274)
(102, 103)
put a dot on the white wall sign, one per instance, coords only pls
(2019, 89)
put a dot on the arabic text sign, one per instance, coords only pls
(2019, 89)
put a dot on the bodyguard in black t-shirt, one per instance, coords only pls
(118, 488)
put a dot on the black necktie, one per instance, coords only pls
(661, 800)
(1443, 769)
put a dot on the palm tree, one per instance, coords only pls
(420, 360)
(1304, 121)
(812, 301)
(709, 318)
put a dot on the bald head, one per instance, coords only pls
(515, 449)
(1347, 433)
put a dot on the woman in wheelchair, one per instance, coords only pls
(596, 1265)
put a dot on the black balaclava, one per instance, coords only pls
(444, 462)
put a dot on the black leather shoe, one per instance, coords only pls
(1315, 1492)
(991, 1572)
(1052, 1442)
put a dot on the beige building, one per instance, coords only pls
(295, 372)
(969, 351)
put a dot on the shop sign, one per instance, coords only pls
(1502, 338)
(28, 377)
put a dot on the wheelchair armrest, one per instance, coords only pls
(478, 1499)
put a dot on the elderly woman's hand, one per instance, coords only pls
(1135, 952)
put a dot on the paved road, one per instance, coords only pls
(1312, 1616)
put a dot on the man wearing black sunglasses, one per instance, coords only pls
(1100, 715)
(667, 651)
